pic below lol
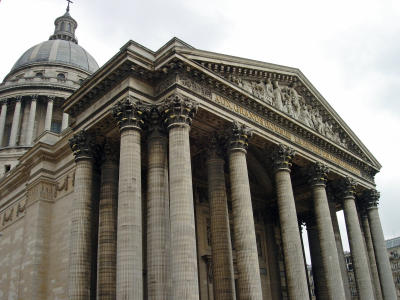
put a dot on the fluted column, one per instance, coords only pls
(329, 256)
(357, 249)
(371, 255)
(31, 120)
(339, 246)
(81, 220)
(64, 122)
(49, 113)
(319, 277)
(382, 258)
(129, 115)
(158, 223)
(222, 263)
(107, 232)
(294, 264)
(248, 280)
(15, 122)
(178, 111)
(3, 116)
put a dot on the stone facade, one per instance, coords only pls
(184, 174)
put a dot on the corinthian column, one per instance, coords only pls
(15, 122)
(327, 243)
(31, 121)
(371, 254)
(248, 280)
(158, 224)
(177, 112)
(3, 115)
(81, 220)
(222, 263)
(129, 230)
(292, 250)
(49, 114)
(357, 249)
(319, 277)
(107, 235)
(382, 259)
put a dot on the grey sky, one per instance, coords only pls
(349, 50)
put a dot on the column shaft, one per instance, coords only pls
(158, 225)
(371, 257)
(248, 279)
(49, 114)
(294, 264)
(64, 123)
(339, 246)
(15, 123)
(31, 121)
(107, 234)
(222, 263)
(3, 116)
(129, 231)
(359, 256)
(329, 255)
(80, 246)
(183, 233)
(382, 259)
(321, 290)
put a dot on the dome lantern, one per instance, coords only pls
(65, 27)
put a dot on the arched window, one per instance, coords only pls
(62, 26)
(68, 27)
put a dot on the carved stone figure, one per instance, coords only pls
(278, 101)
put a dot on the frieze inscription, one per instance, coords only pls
(282, 132)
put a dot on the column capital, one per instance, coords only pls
(318, 174)
(282, 156)
(155, 128)
(34, 97)
(129, 113)
(371, 198)
(82, 145)
(348, 187)
(110, 152)
(18, 99)
(238, 137)
(3, 101)
(51, 98)
(216, 146)
(178, 110)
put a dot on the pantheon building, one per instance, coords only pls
(178, 174)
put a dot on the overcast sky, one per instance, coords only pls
(349, 50)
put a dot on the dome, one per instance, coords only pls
(58, 52)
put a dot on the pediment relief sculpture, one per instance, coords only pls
(288, 100)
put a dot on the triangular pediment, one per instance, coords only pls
(287, 91)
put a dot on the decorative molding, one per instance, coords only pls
(12, 214)
(282, 156)
(41, 190)
(65, 185)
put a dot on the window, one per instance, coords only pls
(56, 126)
(61, 76)
(7, 168)
(39, 74)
